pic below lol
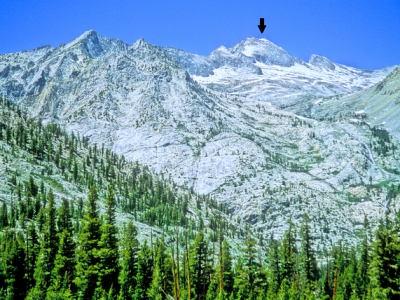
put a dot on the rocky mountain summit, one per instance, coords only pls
(241, 124)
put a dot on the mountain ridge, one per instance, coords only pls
(227, 125)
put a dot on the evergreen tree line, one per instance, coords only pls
(50, 258)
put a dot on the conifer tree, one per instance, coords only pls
(200, 268)
(326, 287)
(241, 285)
(64, 269)
(75, 171)
(64, 264)
(144, 272)
(288, 252)
(252, 272)
(214, 291)
(40, 219)
(3, 216)
(156, 291)
(14, 268)
(227, 268)
(307, 258)
(347, 279)
(32, 187)
(87, 259)
(108, 246)
(385, 264)
(274, 265)
(161, 281)
(363, 265)
(32, 252)
(127, 275)
(48, 248)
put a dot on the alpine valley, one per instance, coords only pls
(267, 135)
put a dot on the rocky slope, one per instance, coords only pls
(377, 105)
(275, 76)
(237, 125)
(44, 158)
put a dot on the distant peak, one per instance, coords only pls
(140, 43)
(251, 44)
(253, 40)
(316, 57)
(222, 49)
(90, 43)
(87, 34)
(264, 51)
(321, 61)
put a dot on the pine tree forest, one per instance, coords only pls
(52, 247)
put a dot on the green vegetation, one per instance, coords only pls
(57, 248)
(62, 159)
(381, 142)
(102, 261)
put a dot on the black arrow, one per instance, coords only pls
(262, 26)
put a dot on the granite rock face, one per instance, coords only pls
(243, 124)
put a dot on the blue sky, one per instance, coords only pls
(363, 34)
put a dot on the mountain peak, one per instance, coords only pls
(87, 33)
(253, 39)
(321, 61)
(221, 49)
(263, 51)
(94, 45)
(140, 43)
(86, 36)
(90, 43)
